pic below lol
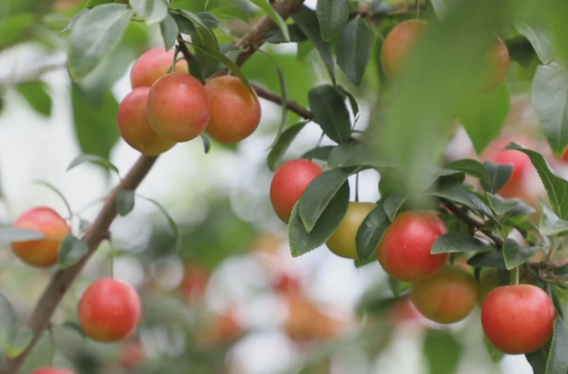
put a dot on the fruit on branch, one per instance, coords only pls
(399, 44)
(518, 319)
(404, 251)
(343, 241)
(42, 252)
(488, 281)
(521, 163)
(289, 183)
(109, 310)
(178, 109)
(401, 40)
(497, 65)
(134, 125)
(153, 65)
(446, 297)
(51, 371)
(235, 112)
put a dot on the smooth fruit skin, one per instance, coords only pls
(289, 183)
(398, 45)
(51, 371)
(134, 125)
(404, 251)
(235, 112)
(43, 252)
(109, 310)
(153, 65)
(446, 297)
(497, 65)
(343, 241)
(178, 108)
(518, 319)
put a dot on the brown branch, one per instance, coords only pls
(291, 105)
(98, 231)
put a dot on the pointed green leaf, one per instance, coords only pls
(491, 259)
(550, 102)
(171, 223)
(71, 251)
(169, 30)
(458, 193)
(499, 205)
(442, 351)
(393, 203)
(550, 224)
(283, 95)
(74, 20)
(371, 232)
(301, 241)
(540, 37)
(454, 242)
(330, 112)
(206, 143)
(332, 17)
(553, 357)
(282, 144)
(152, 11)
(470, 167)
(355, 154)
(353, 49)
(273, 14)
(515, 254)
(59, 193)
(319, 153)
(35, 92)
(124, 202)
(499, 175)
(94, 36)
(97, 160)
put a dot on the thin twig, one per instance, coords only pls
(275, 98)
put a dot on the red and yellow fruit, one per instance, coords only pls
(153, 65)
(343, 240)
(289, 183)
(51, 371)
(178, 109)
(399, 44)
(446, 297)
(497, 65)
(235, 112)
(109, 310)
(42, 252)
(134, 126)
(404, 251)
(518, 319)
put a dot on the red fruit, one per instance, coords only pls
(446, 297)
(518, 319)
(235, 112)
(287, 284)
(153, 65)
(51, 371)
(194, 282)
(178, 109)
(132, 355)
(497, 65)
(404, 251)
(109, 310)
(43, 252)
(289, 183)
(398, 45)
(134, 126)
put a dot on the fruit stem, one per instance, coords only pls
(516, 273)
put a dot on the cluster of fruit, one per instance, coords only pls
(516, 319)
(168, 108)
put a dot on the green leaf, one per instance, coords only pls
(15, 234)
(541, 39)
(499, 205)
(216, 54)
(171, 223)
(282, 144)
(499, 175)
(330, 112)
(152, 11)
(470, 167)
(490, 259)
(271, 12)
(515, 254)
(553, 357)
(301, 241)
(495, 354)
(15, 27)
(486, 115)
(556, 187)
(97, 160)
(229, 12)
(318, 195)
(550, 224)
(206, 143)
(283, 95)
(319, 153)
(355, 154)
(457, 192)
(201, 34)
(208, 19)
(332, 17)
(16, 340)
(6, 313)
(454, 242)
(75, 327)
(71, 251)
(185, 26)
(59, 193)
(441, 7)
(393, 203)
(95, 123)
(74, 20)
(353, 49)
(442, 351)
(169, 30)
(307, 21)
(35, 92)
(124, 202)
(94, 36)
(371, 232)
(550, 102)
(275, 36)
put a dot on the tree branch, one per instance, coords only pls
(98, 231)
(275, 98)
